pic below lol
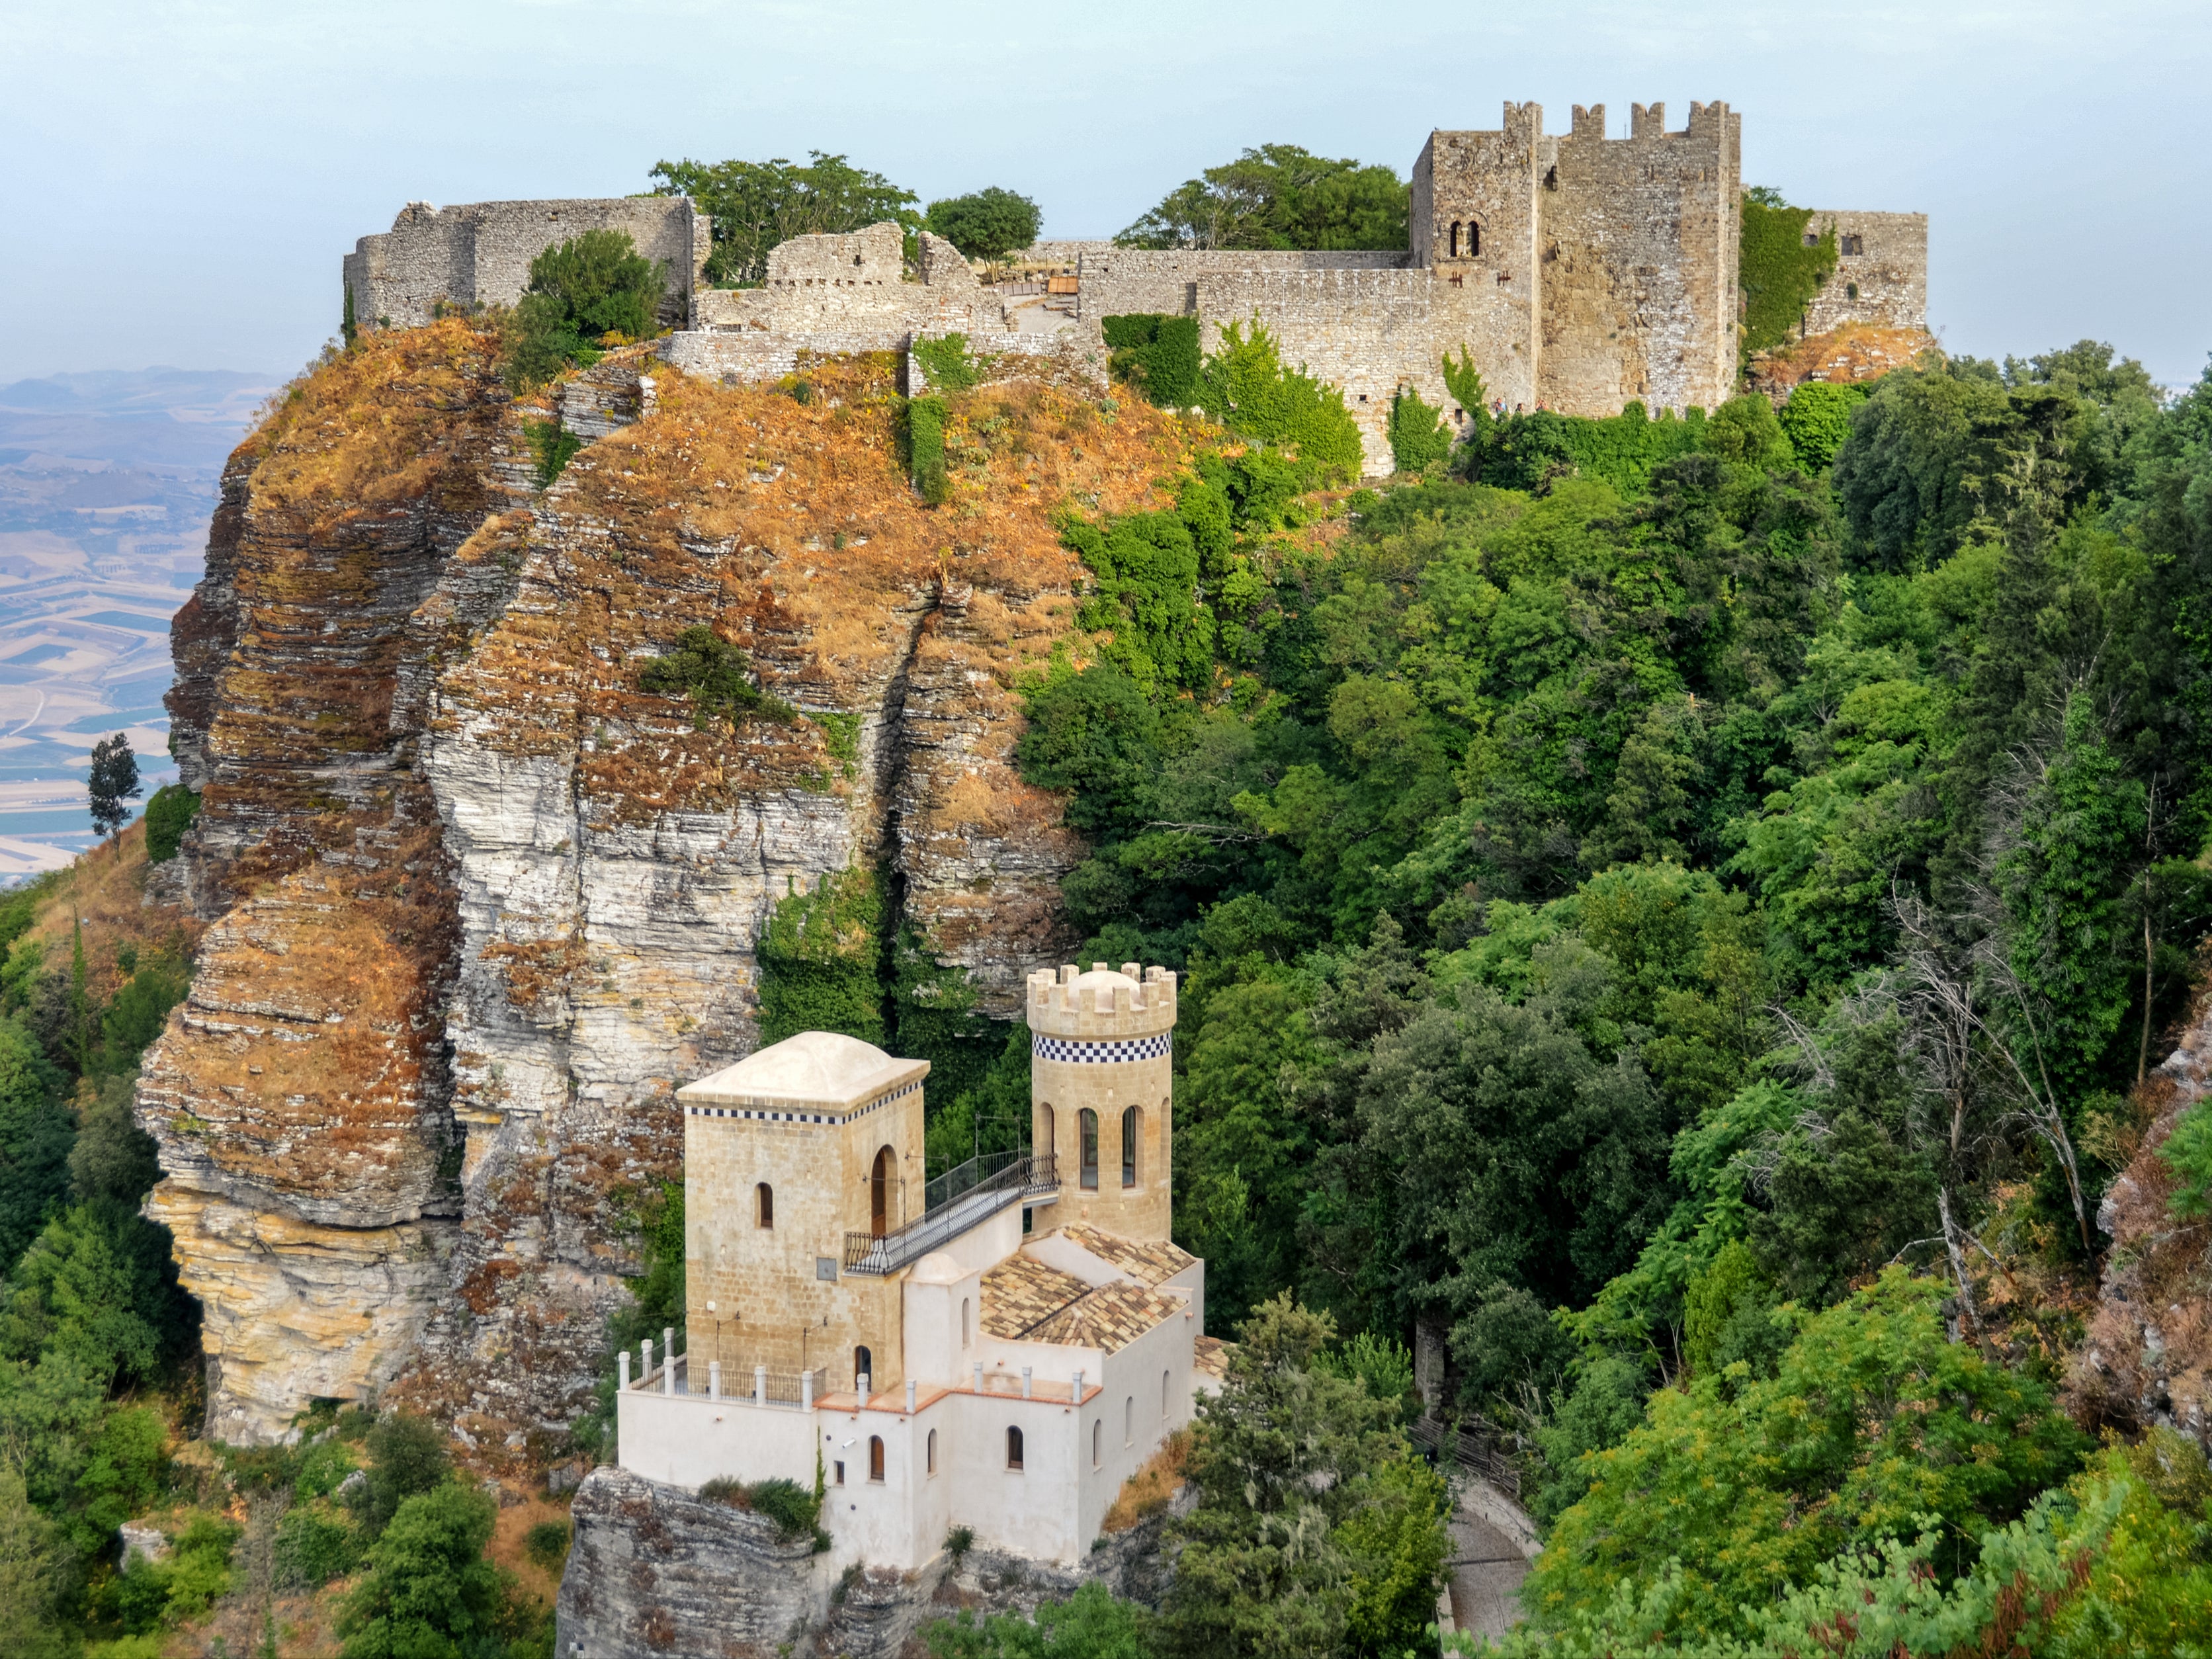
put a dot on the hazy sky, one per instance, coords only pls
(181, 177)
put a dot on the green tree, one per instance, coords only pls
(716, 675)
(1817, 419)
(33, 1571)
(579, 291)
(1246, 385)
(1419, 437)
(98, 1287)
(986, 224)
(35, 1138)
(408, 1458)
(1316, 1531)
(113, 785)
(169, 812)
(1875, 1429)
(822, 959)
(1279, 196)
(429, 1593)
(755, 205)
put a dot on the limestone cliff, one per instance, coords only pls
(477, 902)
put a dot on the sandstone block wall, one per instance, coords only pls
(1118, 281)
(1881, 272)
(479, 253)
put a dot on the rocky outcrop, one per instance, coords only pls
(2146, 1356)
(655, 1569)
(479, 902)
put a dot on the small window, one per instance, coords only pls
(864, 1367)
(825, 1266)
(875, 1458)
(1455, 238)
(764, 1205)
(1854, 245)
(1164, 1393)
(839, 1467)
(1089, 1121)
(1097, 1441)
(1812, 239)
(1013, 1448)
(933, 1451)
(965, 1328)
(1129, 1147)
(1129, 1421)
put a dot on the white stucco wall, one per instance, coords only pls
(687, 1439)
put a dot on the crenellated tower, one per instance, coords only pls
(1102, 1085)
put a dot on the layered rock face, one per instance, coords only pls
(481, 902)
(2148, 1357)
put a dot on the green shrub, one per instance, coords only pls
(408, 1457)
(958, 1542)
(580, 291)
(2188, 1152)
(1419, 437)
(547, 1544)
(1817, 419)
(1529, 451)
(946, 362)
(169, 813)
(314, 1544)
(795, 1511)
(1777, 272)
(712, 670)
(554, 446)
(925, 431)
(1246, 385)
(821, 960)
(323, 1468)
(1157, 354)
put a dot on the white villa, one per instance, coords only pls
(998, 1349)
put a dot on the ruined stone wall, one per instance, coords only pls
(855, 287)
(479, 253)
(1881, 272)
(1638, 260)
(1118, 281)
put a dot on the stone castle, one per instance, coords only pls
(1000, 1349)
(1579, 272)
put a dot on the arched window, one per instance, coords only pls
(1474, 239)
(1165, 1395)
(1045, 1118)
(965, 1338)
(1129, 1147)
(1129, 1421)
(864, 1366)
(933, 1451)
(1097, 1441)
(1455, 238)
(1013, 1448)
(764, 1205)
(1088, 1121)
(879, 1191)
(875, 1458)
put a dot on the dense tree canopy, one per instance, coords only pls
(1279, 196)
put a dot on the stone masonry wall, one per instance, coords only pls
(479, 253)
(1884, 256)
(1638, 256)
(1118, 281)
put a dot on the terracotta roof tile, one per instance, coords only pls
(1210, 1354)
(1148, 1264)
(1024, 1300)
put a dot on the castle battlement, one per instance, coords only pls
(1101, 1004)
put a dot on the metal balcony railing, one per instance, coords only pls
(956, 1200)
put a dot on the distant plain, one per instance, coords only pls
(107, 483)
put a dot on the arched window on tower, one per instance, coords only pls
(880, 1191)
(1455, 238)
(1013, 1448)
(1088, 1125)
(764, 1205)
(875, 1458)
(1474, 239)
(1129, 1128)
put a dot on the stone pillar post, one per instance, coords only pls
(910, 1396)
(806, 1391)
(622, 1369)
(760, 1385)
(713, 1379)
(1025, 1382)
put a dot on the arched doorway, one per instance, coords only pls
(879, 1192)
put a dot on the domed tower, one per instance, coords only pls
(1102, 1050)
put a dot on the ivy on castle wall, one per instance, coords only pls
(1779, 270)
(822, 959)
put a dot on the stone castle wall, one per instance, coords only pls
(1117, 280)
(479, 253)
(1881, 272)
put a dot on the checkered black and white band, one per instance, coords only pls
(899, 1093)
(1157, 1046)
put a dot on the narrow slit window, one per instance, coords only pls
(1129, 1420)
(933, 1451)
(1129, 1147)
(875, 1458)
(1089, 1123)
(1013, 1448)
(1455, 238)
(1098, 1442)
(1474, 239)
(764, 1203)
